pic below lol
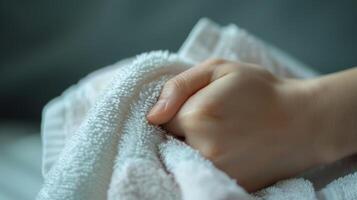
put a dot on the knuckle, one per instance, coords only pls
(190, 120)
(176, 83)
(251, 65)
(197, 119)
(211, 152)
(208, 111)
(215, 61)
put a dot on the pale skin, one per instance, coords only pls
(257, 127)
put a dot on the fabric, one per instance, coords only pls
(116, 147)
(98, 145)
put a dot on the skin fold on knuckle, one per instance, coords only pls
(199, 119)
(211, 150)
(214, 61)
(177, 85)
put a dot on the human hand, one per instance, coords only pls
(256, 127)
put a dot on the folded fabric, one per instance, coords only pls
(98, 144)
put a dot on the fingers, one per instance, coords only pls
(178, 89)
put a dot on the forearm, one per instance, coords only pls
(336, 102)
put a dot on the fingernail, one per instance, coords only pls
(159, 107)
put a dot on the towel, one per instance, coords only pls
(98, 145)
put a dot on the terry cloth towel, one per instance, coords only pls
(97, 143)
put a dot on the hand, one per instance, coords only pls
(256, 127)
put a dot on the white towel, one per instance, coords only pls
(98, 145)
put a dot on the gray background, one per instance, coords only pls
(48, 45)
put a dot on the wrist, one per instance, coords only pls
(307, 120)
(332, 124)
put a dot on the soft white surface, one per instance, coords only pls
(116, 148)
(97, 143)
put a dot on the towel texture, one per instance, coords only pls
(98, 145)
(115, 147)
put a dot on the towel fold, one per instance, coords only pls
(98, 144)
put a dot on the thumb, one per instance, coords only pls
(178, 89)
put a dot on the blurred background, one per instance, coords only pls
(46, 46)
